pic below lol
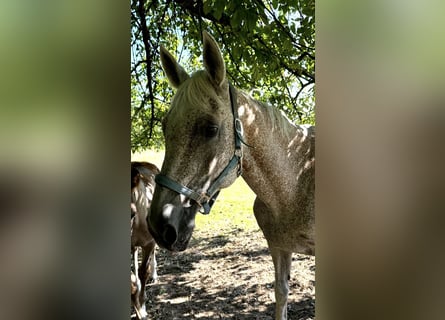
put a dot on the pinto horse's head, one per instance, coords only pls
(199, 144)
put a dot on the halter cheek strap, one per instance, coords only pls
(206, 199)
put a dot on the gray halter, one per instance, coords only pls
(206, 199)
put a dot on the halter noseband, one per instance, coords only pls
(206, 199)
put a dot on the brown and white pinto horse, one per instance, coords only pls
(142, 188)
(206, 149)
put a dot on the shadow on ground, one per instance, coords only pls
(223, 277)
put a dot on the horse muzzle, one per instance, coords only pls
(172, 225)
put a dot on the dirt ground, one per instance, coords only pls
(228, 276)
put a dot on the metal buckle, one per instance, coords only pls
(239, 155)
(203, 198)
(239, 127)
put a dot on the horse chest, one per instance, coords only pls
(286, 227)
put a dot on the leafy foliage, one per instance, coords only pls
(268, 46)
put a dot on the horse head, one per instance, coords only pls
(200, 147)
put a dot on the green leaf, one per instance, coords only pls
(275, 4)
(251, 21)
(219, 9)
(207, 7)
(237, 19)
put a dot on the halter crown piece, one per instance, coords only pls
(206, 199)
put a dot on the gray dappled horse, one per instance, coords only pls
(142, 187)
(206, 149)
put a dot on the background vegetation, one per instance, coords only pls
(268, 46)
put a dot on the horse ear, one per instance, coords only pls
(175, 73)
(213, 60)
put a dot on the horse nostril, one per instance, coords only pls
(170, 234)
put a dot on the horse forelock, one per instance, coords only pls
(199, 95)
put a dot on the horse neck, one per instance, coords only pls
(267, 163)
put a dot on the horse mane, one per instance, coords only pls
(197, 91)
(277, 119)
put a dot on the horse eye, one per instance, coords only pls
(211, 131)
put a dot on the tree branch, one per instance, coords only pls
(292, 99)
(298, 73)
(196, 9)
(146, 41)
(301, 88)
(231, 56)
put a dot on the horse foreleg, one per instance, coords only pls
(142, 275)
(282, 263)
(148, 265)
(138, 294)
(134, 278)
(152, 264)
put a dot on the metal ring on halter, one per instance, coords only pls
(239, 127)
